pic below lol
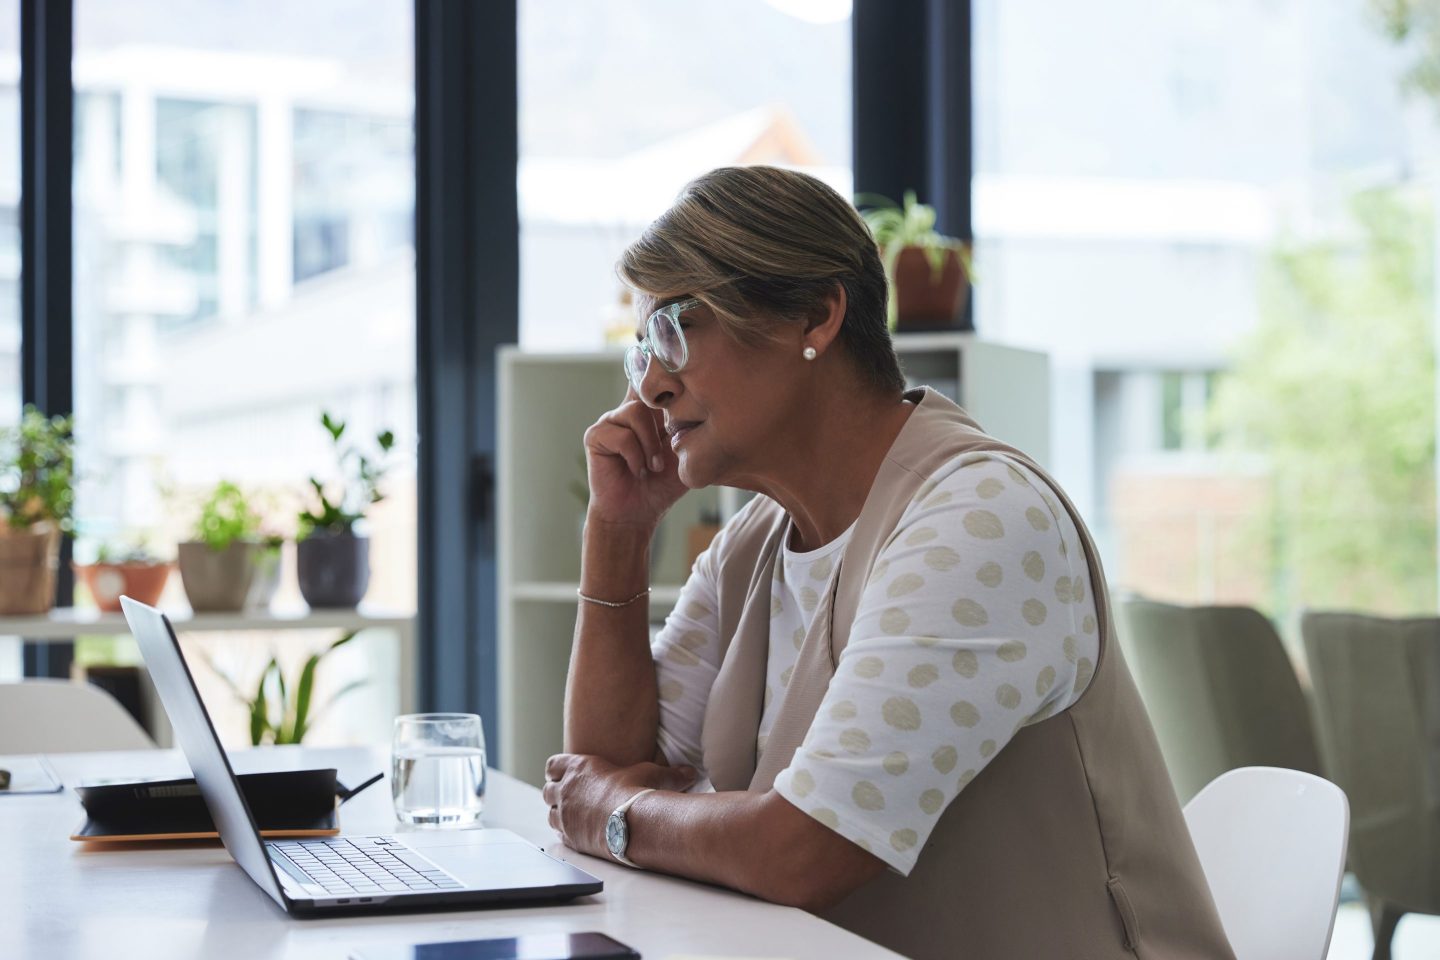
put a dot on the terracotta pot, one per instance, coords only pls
(217, 580)
(333, 569)
(925, 300)
(28, 561)
(140, 581)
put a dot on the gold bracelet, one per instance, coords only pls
(611, 603)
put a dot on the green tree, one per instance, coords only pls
(1336, 387)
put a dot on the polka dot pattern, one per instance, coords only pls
(867, 796)
(943, 663)
(991, 574)
(869, 667)
(894, 621)
(904, 584)
(896, 763)
(989, 488)
(968, 613)
(983, 525)
(923, 675)
(942, 559)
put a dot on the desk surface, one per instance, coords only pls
(60, 899)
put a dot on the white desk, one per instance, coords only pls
(61, 900)
(66, 623)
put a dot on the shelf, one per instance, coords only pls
(64, 623)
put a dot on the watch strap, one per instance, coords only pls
(620, 812)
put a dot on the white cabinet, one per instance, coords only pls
(546, 402)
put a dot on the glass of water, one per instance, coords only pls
(438, 770)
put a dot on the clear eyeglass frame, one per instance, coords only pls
(664, 340)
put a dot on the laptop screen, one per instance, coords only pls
(197, 738)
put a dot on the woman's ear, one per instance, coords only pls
(824, 325)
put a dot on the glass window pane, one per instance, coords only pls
(622, 102)
(1249, 192)
(9, 211)
(9, 250)
(244, 208)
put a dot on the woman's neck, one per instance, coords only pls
(826, 473)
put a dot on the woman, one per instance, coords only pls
(889, 693)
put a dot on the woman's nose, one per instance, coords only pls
(658, 386)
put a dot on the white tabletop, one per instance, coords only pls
(60, 899)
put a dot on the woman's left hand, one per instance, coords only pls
(583, 790)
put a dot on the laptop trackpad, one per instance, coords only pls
(502, 866)
(492, 858)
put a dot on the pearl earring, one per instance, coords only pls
(808, 353)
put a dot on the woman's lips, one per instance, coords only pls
(679, 431)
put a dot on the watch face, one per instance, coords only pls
(615, 834)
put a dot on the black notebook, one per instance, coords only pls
(289, 803)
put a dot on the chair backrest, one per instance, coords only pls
(1377, 699)
(1220, 689)
(57, 716)
(1272, 843)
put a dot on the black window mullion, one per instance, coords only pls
(46, 334)
(467, 304)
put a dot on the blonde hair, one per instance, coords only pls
(762, 245)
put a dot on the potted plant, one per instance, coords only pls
(332, 561)
(929, 273)
(37, 497)
(275, 717)
(133, 571)
(217, 566)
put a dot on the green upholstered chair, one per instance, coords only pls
(1377, 700)
(1220, 688)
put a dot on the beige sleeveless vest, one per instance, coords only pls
(1069, 844)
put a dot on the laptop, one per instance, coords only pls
(328, 876)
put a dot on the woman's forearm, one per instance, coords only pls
(611, 705)
(753, 842)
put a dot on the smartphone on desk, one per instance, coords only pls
(530, 946)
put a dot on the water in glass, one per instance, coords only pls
(438, 774)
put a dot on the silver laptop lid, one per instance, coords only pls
(196, 734)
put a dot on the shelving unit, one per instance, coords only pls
(548, 400)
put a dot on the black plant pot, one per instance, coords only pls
(333, 569)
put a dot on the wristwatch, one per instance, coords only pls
(617, 830)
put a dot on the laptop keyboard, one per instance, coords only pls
(364, 865)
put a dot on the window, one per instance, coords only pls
(9, 212)
(1250, 193)
(622, 102)
(244, 205)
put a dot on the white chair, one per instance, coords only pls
(1272, 843)
(57, 716)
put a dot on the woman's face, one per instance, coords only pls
(731, 411)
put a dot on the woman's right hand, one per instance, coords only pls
(632, 470)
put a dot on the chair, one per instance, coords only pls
(57, 716)
(1272, 844)
(1377, 697)
(1220, 689)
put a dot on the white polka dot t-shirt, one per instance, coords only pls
(978, 618)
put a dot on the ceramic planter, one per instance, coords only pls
(217, 581)
(140, 581)
(333, 569)
(28, 561)
(925, 300)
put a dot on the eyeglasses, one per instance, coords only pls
(664, 340)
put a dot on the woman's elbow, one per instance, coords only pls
(808, 865)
